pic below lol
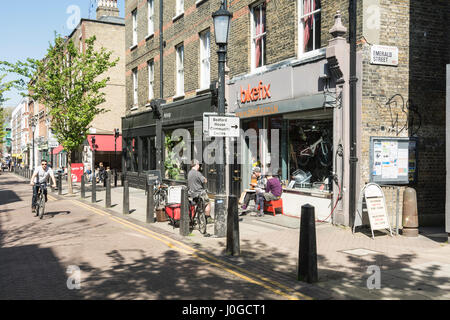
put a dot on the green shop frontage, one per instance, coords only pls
(148, 143)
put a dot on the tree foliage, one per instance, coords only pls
(4, 87)
(68, 82)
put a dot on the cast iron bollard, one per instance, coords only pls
(150, 204)
(184, 213)
(307, 263)
(83, 186)
(233, 246)
(60, 184)
(108, 190)
(94, 188)
(115, 178)
(126, 197)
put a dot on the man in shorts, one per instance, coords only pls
(196, 189)
(41, 175)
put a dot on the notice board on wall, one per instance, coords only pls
(390, 160)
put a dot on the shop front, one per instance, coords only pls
(144, 135)
(288, 118)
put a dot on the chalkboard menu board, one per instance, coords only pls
(392, 160)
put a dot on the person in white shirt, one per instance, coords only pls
(39, 179)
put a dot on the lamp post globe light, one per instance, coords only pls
(222, 19)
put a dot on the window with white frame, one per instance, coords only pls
(151, 78)
(258, 34)
(180, 70)
(179, 7)
(135, 87)
(309, 25)
(135, 36)
(151, 17)
(205, 50)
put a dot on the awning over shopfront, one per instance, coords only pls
(105, 142)
(57, 150)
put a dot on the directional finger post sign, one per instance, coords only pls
(220, 126)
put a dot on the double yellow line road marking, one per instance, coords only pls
(259, 280)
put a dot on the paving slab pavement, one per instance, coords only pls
(410, 268)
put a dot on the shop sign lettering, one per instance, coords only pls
(260, 92)
(258, 111)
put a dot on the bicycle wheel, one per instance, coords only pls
(41, 206)
(201, 218)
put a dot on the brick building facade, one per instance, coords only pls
(403, 100)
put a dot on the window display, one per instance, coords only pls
(310, 154)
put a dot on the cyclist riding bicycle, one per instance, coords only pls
(195, 188)
(39, 177)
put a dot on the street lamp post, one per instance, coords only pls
(222, 18)
(33, 128)
(116, 135)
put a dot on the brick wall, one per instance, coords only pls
(429, 54)
(112, 38)
(419, 76)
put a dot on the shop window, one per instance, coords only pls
(135, 147)
(310, 154)
(148, 153)
(258, 34)
(309, 25)
(132, 156)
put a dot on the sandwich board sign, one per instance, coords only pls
(376, 209)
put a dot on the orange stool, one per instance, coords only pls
(273, 205)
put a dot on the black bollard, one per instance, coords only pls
(115, 178)
(150, 204)
(233, 246)
(83, 186)
(94, 188)
(307, 257)
(184, 213)
(60, 184)
(108, 190)
(126, 197)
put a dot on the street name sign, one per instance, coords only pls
(53, 143)
(384, 55)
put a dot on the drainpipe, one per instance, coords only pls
(353, 79)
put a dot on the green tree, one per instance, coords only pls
(4, 87)
(68, 82)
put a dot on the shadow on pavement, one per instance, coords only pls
(54, 213)
(41, 277)
(8, 196)
(168, 276)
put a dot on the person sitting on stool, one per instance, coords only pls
(257, 182)
(273, 192)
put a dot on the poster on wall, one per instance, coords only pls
(389, 160)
